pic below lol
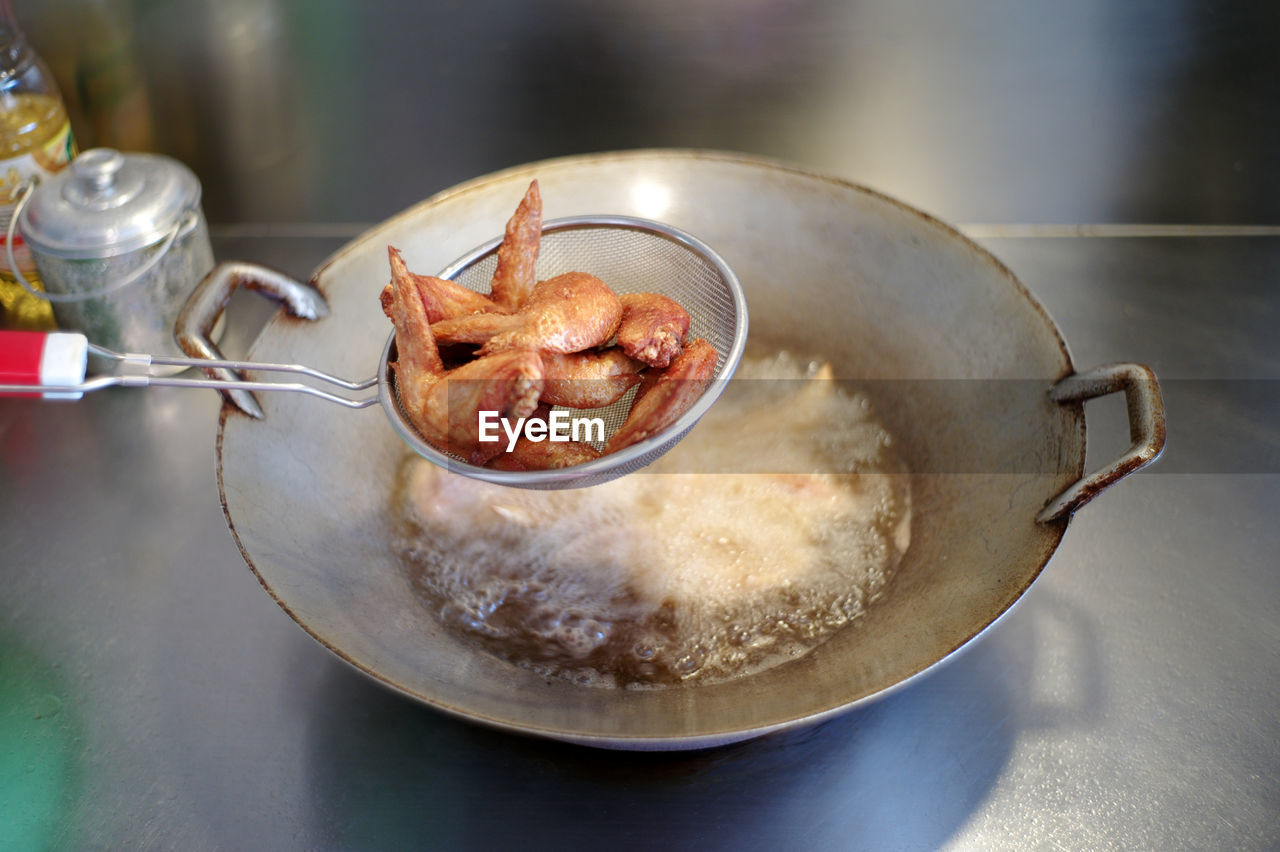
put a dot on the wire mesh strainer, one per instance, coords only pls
(631, 255)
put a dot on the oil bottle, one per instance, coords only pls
(35, 141)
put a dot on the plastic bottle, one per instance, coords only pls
(35, 140)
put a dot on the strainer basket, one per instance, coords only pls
(631, 255)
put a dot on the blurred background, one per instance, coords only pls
(1128, 702)
(1151, 111)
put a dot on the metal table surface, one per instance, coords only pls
(152, 696)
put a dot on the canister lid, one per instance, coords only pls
(107, 203)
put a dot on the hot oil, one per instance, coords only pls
(777, 521)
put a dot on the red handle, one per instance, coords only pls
(43, 359)
(20, 356)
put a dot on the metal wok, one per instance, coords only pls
(966, 369)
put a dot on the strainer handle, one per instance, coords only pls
(194, 328)
(34, 360)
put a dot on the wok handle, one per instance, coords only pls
(1146, 429)
(209, 299)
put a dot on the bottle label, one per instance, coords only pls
(43, 161)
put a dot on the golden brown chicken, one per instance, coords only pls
(442, 298)
(568, 313)
(653, 328)
(514, 277)
(591, 379)
(444, 405)
(667, 395)
(540, 345)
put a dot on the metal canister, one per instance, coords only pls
(120, 241)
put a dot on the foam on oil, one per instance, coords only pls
(775, 522)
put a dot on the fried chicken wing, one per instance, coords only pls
(444, 405)
(670, 395)
(476, 328)
(526, 347)
(588, 379)
(544, 455)
(417, 365)
(568, 313)
(442, 298)
(514, 277)
(507, 382)
(653, 328)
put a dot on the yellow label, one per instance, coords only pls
(18, 308)
(40, 162)
(58, 151)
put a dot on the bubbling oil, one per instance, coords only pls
(775, 522)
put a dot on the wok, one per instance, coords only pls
(962, 364)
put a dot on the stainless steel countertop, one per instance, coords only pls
(152, 696)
